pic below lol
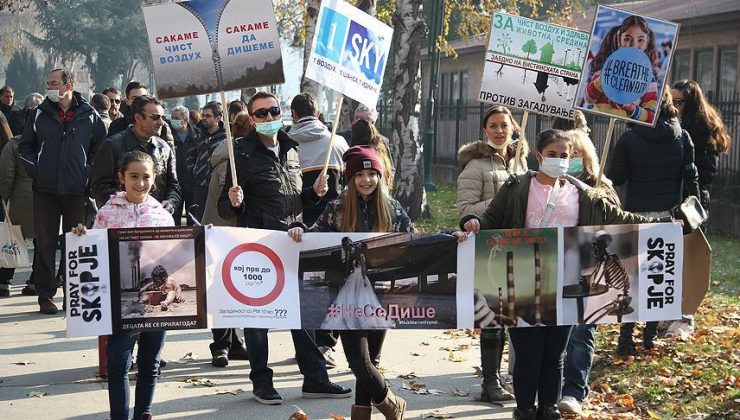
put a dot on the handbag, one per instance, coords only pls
(691, 213)
(13, 250)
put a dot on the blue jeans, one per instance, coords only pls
(119, 351)
(578, 361)
(310, 360)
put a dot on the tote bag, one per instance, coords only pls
(13, 253)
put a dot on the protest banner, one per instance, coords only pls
(135, 279)
(374, 281)
(252, 279)
(532, 65)
(349, 51)
(205, 46)
(629, 59)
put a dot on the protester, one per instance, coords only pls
(522, 203)
(364, 132)
(133, 90)
(5, 132)
(143, 135)
(226, 342)
(115, 103)
(235, 107)
(486, 165)
(11, 112)
(657, 164)
(268, 196)
(187, 137)
(60, 140)
(584, 166)
(362, 112)
(195, 117)
(213, 133)
(102, 104)
(364, 207)
(133, 207)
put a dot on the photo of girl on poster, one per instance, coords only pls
(628, 60)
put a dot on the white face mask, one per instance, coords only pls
(554, 167)
(499, 147)
(53, 95)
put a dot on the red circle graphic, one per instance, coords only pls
(229, 284)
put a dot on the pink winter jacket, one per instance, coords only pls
(120, 213)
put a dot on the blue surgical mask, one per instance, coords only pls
(176, 124)
(575, 166)
(269, 128)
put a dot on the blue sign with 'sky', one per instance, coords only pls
(351, 45)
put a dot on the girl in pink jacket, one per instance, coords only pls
(125, 209)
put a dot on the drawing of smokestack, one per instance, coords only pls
(537, 286)
(134, 257)
(501, 306)
(510, 284)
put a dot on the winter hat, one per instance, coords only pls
(357, 158)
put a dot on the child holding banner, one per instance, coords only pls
(486, 165)
(365, 206)
(633, 32)
(545, 199)
(133, 207)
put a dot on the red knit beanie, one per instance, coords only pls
(358, 158)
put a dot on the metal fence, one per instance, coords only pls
(458, 124)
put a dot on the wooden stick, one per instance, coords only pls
(511, 298)
(519, 146)
(333, 134)
(537, 286)
(605, 152)
(229, 142)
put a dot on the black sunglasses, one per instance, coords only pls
(155, 117)
(262, 112)
(118, 101)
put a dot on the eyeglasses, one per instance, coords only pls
(262, 112)
(117, 101)
(155, 117)
(679, 101)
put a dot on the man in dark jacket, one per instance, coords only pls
(269, 197)
(199, 159)
(59, 142)
(143, 135)
(187, 138)
(13, 114)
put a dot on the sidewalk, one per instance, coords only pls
(36, 358)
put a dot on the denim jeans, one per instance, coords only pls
(362, 348)
(119, 359)
(578, 361)
(310, 360)
(538, 369)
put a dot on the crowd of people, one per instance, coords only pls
(124, 162)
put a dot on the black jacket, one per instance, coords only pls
(104, 180)
(705, 158)
(199, 157)
(15, 117)
(182, 151)
(272, 187)
(58, 156)
(657, 163)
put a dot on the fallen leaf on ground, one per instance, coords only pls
(298, 414)
(197, 380)
(413, 353)
(424, 343)
(461, 392)
(455, 357)
(24, 363)
(411, 375)
(337, 416)
(37, 394)
(436, 414)
(94, 380)
(413, 385)
(478, 371)
(189, 357)
(234, 392)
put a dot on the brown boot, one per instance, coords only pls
(361, 412)
(392, 407)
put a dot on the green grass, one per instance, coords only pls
(443, 206)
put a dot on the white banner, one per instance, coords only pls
(252, 279)
(88, 290)
(349, 51)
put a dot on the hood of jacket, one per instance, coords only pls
(666, 130)
(308, 129)
(475, 150)
(220, 154)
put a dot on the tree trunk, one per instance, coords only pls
(312, 15)
(407, 43)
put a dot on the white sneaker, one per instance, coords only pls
(570, 405)
(680, 328)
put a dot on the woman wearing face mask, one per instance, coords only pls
(657, 163)
(486, 165)
(545, 199)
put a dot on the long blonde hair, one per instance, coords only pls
(582, 143)
(379, 201)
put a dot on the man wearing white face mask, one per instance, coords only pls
(59, 142)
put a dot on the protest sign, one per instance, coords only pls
(205, 46)
(532, 65)
(629, 59)
(349, 51)
(374, 281)
(252, 279)
(135, 279)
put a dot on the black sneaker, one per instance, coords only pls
(220, 359)
(327, 390)
(267, 396)
(29, 290)
(47, 307)
(238, 352)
